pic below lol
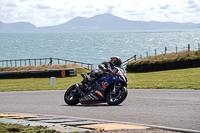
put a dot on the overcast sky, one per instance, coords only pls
(53, 12)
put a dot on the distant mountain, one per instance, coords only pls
(103, 22)
(17, 27)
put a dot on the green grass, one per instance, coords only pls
(9, 128)
(172, 79)
(39, 83)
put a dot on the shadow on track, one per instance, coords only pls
(91, 105)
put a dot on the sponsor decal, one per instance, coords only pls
(99, 93)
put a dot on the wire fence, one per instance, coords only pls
(55, 61)
(41, 61)
(175, 50)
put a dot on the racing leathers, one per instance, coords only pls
(94, 94)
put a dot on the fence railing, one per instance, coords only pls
(188, 48)
(129, 60)
(41, 61)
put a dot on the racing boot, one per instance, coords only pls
(79, 89)
(82, 84)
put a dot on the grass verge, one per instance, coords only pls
(172, 79)
(30, 84)
(9, 128)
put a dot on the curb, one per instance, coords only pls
(74, 124)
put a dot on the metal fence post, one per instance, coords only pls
(165, 50)
(11, 63)
(188, 47)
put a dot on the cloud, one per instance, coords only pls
(42, 6)
(11, 5)
(194, 5)
(51, 12)
(164, 7)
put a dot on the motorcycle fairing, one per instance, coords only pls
(106, 81)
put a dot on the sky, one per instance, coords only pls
(42, 13)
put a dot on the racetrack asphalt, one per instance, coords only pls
(168, 108)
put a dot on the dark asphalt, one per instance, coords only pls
(170, 108)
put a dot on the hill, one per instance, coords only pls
(102, 22)
(17, 27)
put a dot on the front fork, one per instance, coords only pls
(116, 87)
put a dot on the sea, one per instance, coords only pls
(95, 47)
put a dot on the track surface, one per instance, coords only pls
(171, 108)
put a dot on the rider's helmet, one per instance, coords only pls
(116, 61)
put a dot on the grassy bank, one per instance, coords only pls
(168, 58)
(41, 67)
(172, 79)
(170, 61)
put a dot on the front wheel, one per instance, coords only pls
(118, 97)
(71, 97)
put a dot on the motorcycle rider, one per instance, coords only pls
(106, 66)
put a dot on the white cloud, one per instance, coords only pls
(54, 12)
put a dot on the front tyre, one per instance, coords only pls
(71, 97)
(118, 97)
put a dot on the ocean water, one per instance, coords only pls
(94, 47)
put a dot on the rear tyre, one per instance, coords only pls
(118, 97)
(70, 96)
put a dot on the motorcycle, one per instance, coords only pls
(112, 87)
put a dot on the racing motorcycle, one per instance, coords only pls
(112, 87)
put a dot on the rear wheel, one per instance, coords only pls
(71, 97)
(117, 97)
